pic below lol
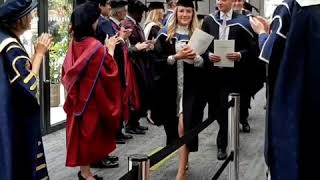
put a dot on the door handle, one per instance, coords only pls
(44, 71)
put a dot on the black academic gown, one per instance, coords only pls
(164, 91)
(222, 81)
(21, 149)
(295, 108)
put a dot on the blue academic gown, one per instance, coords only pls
(104, 29)
(295, 108)
(272, 49)
(167, 17)
(21, 148)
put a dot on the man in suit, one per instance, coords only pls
(139, 55)
(224, 25)
(118, 13)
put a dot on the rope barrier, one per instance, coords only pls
(166, 151)
(128, 176)
(223, 166)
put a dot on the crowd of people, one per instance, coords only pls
(117, 72)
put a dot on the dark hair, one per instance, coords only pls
(102, 2)
(82, 19)
(99, 2)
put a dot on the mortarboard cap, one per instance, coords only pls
(118, 3)
(188, 3)
(12, 10)
(136, 6)
(155, 4)
(250, 7)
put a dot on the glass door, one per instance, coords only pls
(55, 15)
(59, 12)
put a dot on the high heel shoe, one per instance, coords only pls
(82, 178)
(149, 117)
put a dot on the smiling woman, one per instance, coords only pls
(177, 72)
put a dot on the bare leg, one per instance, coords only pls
(86, 173)
(183, 153)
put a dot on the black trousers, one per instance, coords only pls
(216, 101)
(219, 99)
(245, 101)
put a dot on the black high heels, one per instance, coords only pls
(82, 178)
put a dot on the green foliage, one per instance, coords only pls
(59, 30)
(57, 55)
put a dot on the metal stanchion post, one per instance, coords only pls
(233, 136)
(140, 165)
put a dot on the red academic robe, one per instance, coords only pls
(93, 103)
(130, 94)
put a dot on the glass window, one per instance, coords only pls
(59, 12)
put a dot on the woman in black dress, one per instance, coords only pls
(177, 87)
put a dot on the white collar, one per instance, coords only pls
(304, 3)
(229, 14)
(115, 21)
(171, 10)
(130, 18)
(105, 17)
(182, 30)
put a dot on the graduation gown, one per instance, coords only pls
(272, 49)
(130, 91)
(141, 63)
(165, 89)
(240, 30)
(151, 30)
(21, 148)
(295, 108)
(93, 103)
(167, 17)
(104, 29)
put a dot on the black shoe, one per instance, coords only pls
(124, 136)
(246, 127)
(82, 178)
(222, 154)
(113, 158)
(135, 131)
(143, 128)
(120, 141)
(107, 163)
(98, 177)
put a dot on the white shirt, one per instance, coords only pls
(131, 19)
(227, 30)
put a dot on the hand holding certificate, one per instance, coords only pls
(222, 48)
(200, 41)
